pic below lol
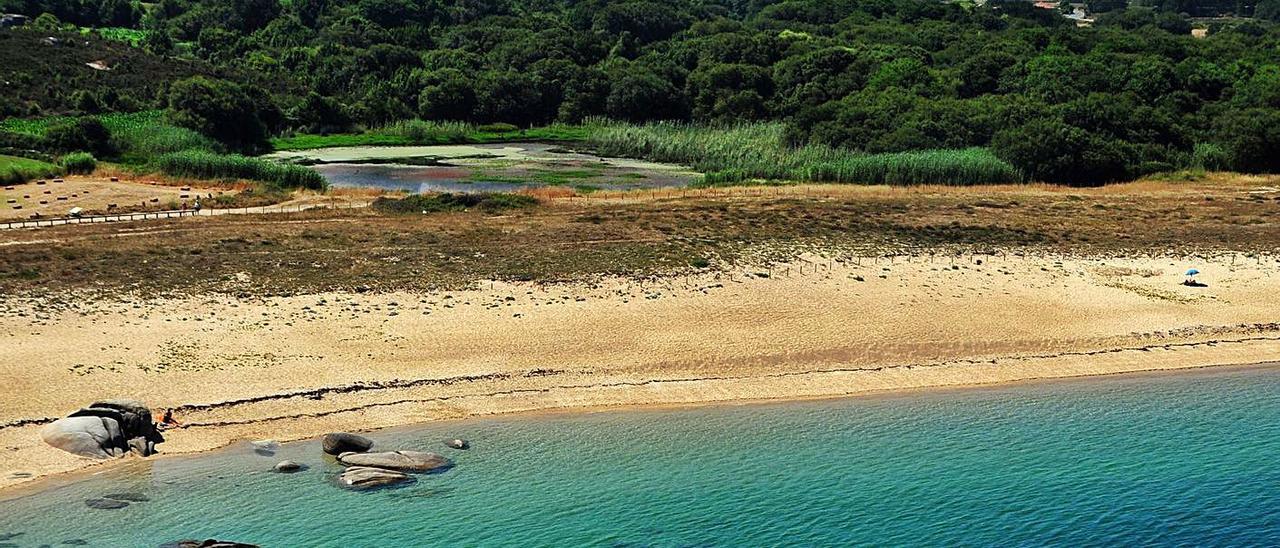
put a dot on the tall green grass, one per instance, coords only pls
(138, 136)
(15, 170)
(210, 165)
(78, 162)
(745, 152)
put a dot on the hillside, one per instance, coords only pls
(50, 73)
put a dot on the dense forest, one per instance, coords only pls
(1135, 93)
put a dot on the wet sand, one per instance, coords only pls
(295, 367)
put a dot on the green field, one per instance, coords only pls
(15, 170)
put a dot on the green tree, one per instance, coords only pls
(81, 134)
(450, 95)
(1052, 151)
(638, 95)
(1268, 10)
(319, 114)
(220, 110)
(1251, 140)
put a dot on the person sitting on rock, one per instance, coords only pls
(168, 421)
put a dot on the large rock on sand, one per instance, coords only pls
(364, 477)
(105, 430)
(91, 437)
(342, 442)
(416, 461)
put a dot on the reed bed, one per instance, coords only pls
(432, 132)
(745, 152)
(137, 143)
(209, 165)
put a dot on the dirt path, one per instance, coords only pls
(292, 206)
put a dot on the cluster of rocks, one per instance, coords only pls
(105, 429)
(368, 470)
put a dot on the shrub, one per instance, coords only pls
(209, 165)
(435, 203)
(1209, 156)
(87, 134)
(78, 162)
(498, 127)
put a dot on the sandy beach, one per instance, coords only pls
(293, 367)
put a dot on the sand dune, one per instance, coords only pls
(287, 368)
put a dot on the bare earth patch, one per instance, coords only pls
(96, 194)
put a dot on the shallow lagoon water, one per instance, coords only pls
(1174, 459)
(502, 167)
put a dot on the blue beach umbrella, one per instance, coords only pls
(1192, 272)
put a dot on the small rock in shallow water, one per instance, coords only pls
(287, 467)
(105, 504)
(128, 497)
(265, 448)
(458, 443)
(75, 542)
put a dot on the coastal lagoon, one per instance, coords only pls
(1170, 459)
(503, 167)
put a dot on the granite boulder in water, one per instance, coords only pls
(105, 429)
(105, 504)
(364, 477)
(342, 442)
(287, 467)
(415, 461)
(210, 543)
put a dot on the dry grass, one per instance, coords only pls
(636, 234)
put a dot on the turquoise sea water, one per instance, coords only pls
(1174, 459)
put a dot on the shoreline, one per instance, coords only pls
(291, 368)
(60, 479)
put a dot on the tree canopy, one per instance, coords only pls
(1134, 93)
